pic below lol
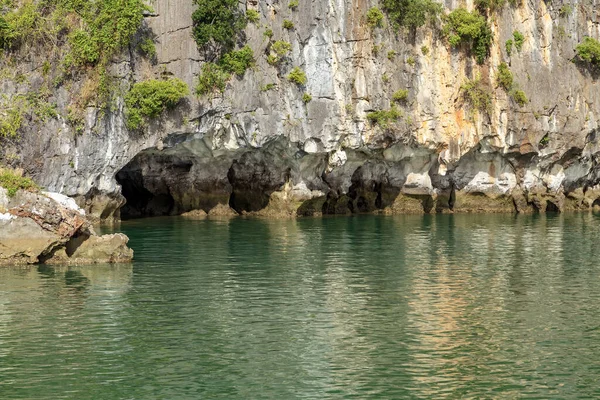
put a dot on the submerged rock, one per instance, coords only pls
(50, 228)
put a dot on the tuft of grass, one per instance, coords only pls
(12, 181)
(519, 40)
(252, 16)
(383, 118)
(293, 5)
(297, 76)
(287, 24)
(400, 96)
(306, 98)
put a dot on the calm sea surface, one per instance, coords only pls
(424, 307)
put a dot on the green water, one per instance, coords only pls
(440, 307)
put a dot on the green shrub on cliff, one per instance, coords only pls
(383, 118)
(218, 22)
(375, 17)
(148, 99)
(411, 13)
(504, 76)
(589, 51)
(297, 76)
(13, 181)
(238, 61)
(470, 28)
(477, 95)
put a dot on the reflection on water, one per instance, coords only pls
(465, 306)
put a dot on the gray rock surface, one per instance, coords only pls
(252, 149)
(50, 228)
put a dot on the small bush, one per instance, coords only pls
(464, 27)
(400, 96)
(384, 117)
(252, 16)
(293, 5)
(376, 49)
(391, 55)
(281, 47)
(306, 98)
(509, 46)
(375, 18)
(238, 61)
(297, 76)
(148, 48)
(268, 33)
(11, 120)
(424, 50)
(212, 78)
(267, 87)
(411, 61)
(565, 10)
(589, 51)
(477, 95)
(519, 40)
(411, 13)
(287, 24)
(13, 182)
(218, 22)
(505, 77)
(148, 99)
(519, 97)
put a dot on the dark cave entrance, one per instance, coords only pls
(141, 202)
(551, 207)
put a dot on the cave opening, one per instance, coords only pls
(141, 202)
(551, 207)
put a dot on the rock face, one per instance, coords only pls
(261, 149)
(50, 228)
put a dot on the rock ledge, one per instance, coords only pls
(50, 228)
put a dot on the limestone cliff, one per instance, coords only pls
(260, 147)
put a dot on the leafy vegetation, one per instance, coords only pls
(509, 46)
(212, 79)
(148, 48)
(565, 10)
(391, 55)
(519, 40)
(217, 22)
(375, 17)
(297, 76)
(519, 97)
(279, 49)
(13, 181)
(424, 50)
(267, 87)
(293, 4)
(505, 77)
(589, 51)
(148, 99)
(306, 98)
(477, 95)
(252, 16)
(383, 118)
(400, 96)
(411, 13)
(471, 28)
(238, 61)
(287, 24)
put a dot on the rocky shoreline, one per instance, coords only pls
(49, 228)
